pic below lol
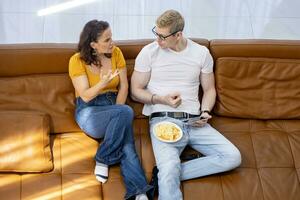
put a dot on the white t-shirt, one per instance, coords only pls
(173, 71)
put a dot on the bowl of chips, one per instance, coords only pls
(167, 132)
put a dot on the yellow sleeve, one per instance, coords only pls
(76, 66)
(120, 61)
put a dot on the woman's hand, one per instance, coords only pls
(106, 78)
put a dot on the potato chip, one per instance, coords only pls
(167, 131)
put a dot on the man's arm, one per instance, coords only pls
(209, 91)
(139, 81)
(208, 98)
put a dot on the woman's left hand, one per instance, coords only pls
(106, 78)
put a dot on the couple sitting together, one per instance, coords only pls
(166, 78)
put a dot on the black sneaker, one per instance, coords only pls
(154, 182)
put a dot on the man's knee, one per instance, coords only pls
(236, 156)
(169, 170)
(233, 159)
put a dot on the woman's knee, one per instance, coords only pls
(87, 119)
(126, 111)
(82, 116)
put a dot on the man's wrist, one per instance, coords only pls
(152, 101)
(205, 111)
(156, 99)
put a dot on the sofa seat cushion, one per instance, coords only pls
(77, 153)
(263, 143)
(25, 142)
(270, 152)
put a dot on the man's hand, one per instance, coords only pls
(204, 117)
(173, 100)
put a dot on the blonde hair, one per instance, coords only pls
(172, 19)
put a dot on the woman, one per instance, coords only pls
(99, 76)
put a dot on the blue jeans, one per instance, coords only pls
(219, 155)
(102, 118)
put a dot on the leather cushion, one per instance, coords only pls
(258, 88)
(49, 93)
(25, 142)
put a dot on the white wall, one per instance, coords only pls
(134, 19)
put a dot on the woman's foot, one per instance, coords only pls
(101, 172)
(141, 197)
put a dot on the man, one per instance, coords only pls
(166, 79)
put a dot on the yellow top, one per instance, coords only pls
(78, 67)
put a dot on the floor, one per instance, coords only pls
(133, 19)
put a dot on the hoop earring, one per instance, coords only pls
(94, 52)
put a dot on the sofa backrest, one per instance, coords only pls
(35, 77)
(257, 79)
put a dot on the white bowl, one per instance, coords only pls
(168, 135)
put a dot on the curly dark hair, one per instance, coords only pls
(90, 33)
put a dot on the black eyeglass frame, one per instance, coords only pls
(161, 36)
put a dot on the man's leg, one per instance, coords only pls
(219, 153)
(168, 164)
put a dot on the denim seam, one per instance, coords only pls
(139, 191)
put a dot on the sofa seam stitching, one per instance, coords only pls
(256, 166)
(61, 174)
(288, 137)
(222, 188)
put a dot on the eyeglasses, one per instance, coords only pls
(162, 37)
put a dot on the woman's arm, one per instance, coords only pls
(81, 85)
(86, 92)
(123, 87)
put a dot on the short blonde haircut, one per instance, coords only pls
(172, 19)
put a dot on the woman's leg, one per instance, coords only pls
(108, 122)
(111, 149)
(131, 169)
(114, 123)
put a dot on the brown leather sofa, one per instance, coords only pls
(44, 155)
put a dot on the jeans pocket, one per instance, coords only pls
(112, 100)
(156, 120)
(106, 99)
